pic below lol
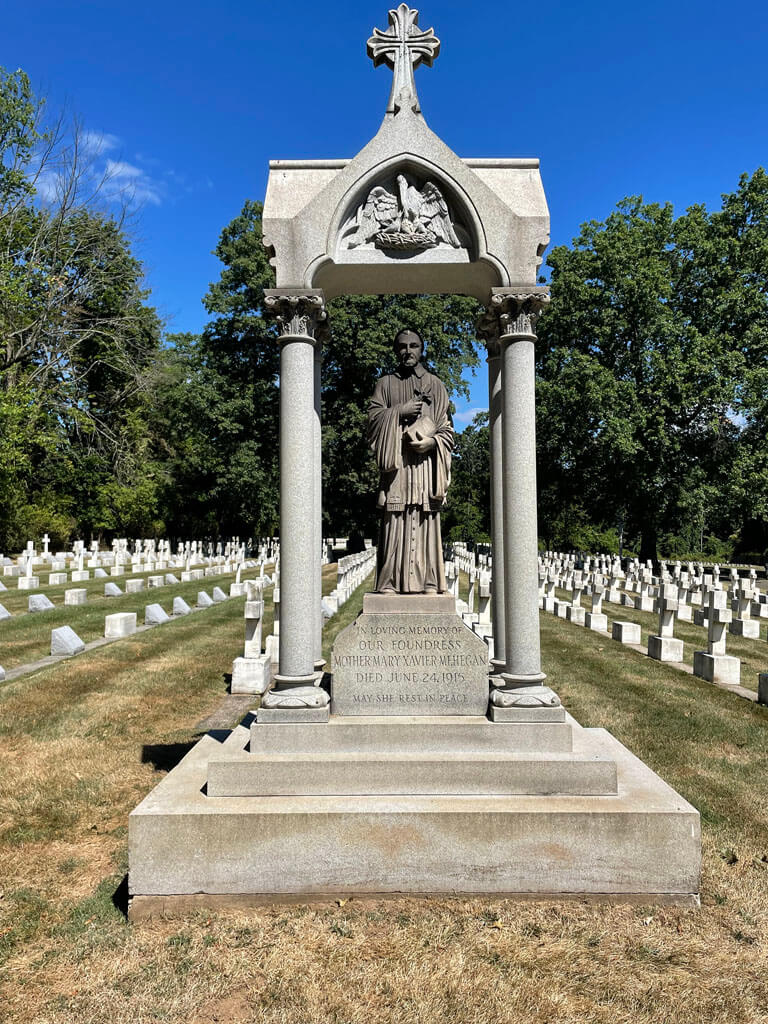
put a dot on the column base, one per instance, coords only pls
(525, 697)
(514, 680)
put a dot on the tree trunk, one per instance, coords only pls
(648, 543)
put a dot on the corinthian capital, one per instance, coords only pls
(299, 312)
(516, 310)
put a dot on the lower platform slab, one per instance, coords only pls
(643, 842)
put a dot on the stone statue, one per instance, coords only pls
(410, 430)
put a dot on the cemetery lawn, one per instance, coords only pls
(26, 636)
(83, 742)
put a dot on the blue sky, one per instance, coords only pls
(193, 99)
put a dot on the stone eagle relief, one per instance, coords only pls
(406, 220)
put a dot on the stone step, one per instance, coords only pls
(411, 774)
(428, 734)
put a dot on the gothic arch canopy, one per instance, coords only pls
(405, 215)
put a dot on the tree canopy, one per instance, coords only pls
(652, 374)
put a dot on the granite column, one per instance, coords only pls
(318, 507)
(520, 682)
(495, 432)
(300, 314)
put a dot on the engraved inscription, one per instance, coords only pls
(390, 665)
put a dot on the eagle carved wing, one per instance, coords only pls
(434, 214)
(378, 211)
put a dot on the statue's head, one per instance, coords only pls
(408, 346)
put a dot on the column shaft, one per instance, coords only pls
(521, 605)
(318, 510)
(495, 432)
(297, 510)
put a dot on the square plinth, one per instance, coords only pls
(642, 841)
(626, 632)
(665, 648)
(717, 668)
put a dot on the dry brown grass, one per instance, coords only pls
(79, 749)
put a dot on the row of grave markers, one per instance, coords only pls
(65, 642)
(254, 671)
(716, 601)
(147, 556)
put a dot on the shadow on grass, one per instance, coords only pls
(227, 677)
(165, 756)
(120, 897)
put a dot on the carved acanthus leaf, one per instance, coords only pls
(517, 312)
(297, 315)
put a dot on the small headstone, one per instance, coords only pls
(40, 603)
(119, 624)
(155, 581)
(99, 573)
(4, 613)
(2, 586)
(2, 673)
(170, 579)
(65, 640)
(79, 596)
(219, 595)
(251, 675)
(134, 586)
(626, 632)
(154, 615)
(112, 590)
(180, 606)
(203, 600)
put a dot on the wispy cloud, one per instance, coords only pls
(138, 182)
(93, 144)
(467, 415)
(133, 183)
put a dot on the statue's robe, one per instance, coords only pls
(412, 486)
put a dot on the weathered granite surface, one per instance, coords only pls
(409, 662)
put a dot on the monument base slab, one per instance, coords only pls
(640, 840)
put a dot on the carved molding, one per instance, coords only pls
(297, 314)
(525, 697)
(296, 697)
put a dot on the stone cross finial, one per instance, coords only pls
(402, 47)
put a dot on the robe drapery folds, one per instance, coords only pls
(412, 486)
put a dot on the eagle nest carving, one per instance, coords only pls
(409, 220)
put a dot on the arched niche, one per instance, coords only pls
(406, 227)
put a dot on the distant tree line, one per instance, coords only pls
(652, 376)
